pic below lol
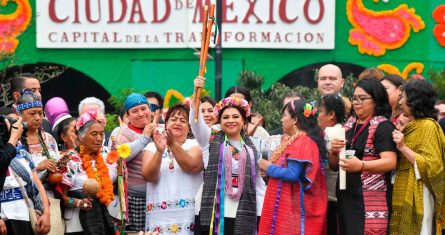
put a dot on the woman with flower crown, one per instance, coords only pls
(172, 165)
(86, 213)
(228, 202)
(296, 196)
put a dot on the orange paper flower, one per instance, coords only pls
(112, 157)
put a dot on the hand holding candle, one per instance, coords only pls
(338, 133)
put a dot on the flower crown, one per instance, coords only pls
(309, 110)
(232, 102)
(86, 117)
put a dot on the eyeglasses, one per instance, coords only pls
(153, 107)
(359, 99)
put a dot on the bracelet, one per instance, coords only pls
(363, 166)
(78, 203)
(70, 202)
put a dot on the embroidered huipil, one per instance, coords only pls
(38, 155)
(299, 207)
(74, 177)
(37, 152)
(171, 200)
(13, 202)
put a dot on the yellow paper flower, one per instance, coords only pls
(124, 151)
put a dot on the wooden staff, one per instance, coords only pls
(207, 24)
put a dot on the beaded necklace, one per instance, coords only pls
(279, 151)
(241, 157)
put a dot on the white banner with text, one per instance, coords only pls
(274, 24)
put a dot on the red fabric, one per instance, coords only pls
(135, 129)
(374, 189)
(288, 220)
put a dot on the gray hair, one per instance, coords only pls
(27, 98)
(84, 129)
(92, 100)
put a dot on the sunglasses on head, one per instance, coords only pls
(153, 107)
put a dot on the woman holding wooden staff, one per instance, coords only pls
(231, 180)
(368, 172)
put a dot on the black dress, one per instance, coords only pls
(351, 206)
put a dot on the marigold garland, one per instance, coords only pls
(376, 31)
(105, 194)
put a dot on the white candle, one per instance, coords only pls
(338, 132)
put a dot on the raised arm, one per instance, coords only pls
(200, 130)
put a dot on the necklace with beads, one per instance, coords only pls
(279, 151)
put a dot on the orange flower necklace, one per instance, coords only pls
(105, 193)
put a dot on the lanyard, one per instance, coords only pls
(357, 134)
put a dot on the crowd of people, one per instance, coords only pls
(222, 172)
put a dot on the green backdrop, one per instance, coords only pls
(161, 69)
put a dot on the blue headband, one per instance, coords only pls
(29, 105)
(134, 100)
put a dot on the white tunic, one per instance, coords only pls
(171, 200)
